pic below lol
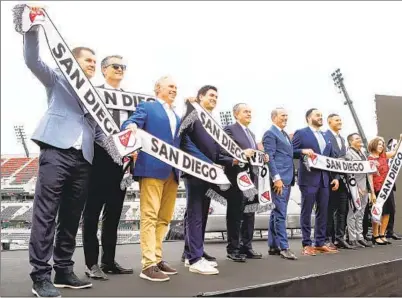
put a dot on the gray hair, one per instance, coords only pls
(105, 60)
(236, 107)
(274, 112)
(159, 81)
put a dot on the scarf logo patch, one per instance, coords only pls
(36, 13)
(266, 196)
(314, 159)
(244, 181)
(126, 140)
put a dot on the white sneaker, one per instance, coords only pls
(203, 267)
(212, 263)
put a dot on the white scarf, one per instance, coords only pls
(387, 187)
(117, 144)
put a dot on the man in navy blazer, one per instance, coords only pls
(338, 205)
(314, 185)
(65, 135)
(279, 147)
(196, 216)
(158, 181)
(240, 225)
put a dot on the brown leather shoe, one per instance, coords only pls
(308, 251)
(325, 249)
(153, 273)
(165, 268)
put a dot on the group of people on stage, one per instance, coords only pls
(77, 177)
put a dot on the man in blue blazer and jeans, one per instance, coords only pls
(314, 185)
(279, 147)
(158, 181)
(65, 135)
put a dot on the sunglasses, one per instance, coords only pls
(117, 66)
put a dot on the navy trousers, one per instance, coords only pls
(240, 225)
(61, 191)
(318, 196)
(104, 192)
(196, 216)
(338, 208)
(277, 237)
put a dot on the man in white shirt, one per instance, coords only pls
(105, 192)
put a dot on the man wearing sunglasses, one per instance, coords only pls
(105, 192)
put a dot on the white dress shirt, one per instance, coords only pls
(171, 115)
(123, 114)
(320, 139)
(277, 176)
(337, 138)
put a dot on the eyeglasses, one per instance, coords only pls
(117, 66)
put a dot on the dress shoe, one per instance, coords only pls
(236, 257)
(331, 245)
(384, 239)
(208, 257)
(96, 273)
(251, 254)
(115, 269)
(325, 249)
(44, 288)
(71, 281)
(364, 243)
(340, 243)
(308, 251)
(355, 244)
(394, 236)
(288, 254)
(274, 251)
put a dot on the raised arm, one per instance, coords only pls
(41, 70)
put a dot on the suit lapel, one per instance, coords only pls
(280, 135)
(312, 136)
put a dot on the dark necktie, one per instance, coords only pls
(250, 138)
(285, 135)
(116, 117)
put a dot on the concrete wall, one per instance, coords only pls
(389, 123)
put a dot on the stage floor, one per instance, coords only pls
(15, 268)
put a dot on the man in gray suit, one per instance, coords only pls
(65, 135)
(278, 146)
(355, 217)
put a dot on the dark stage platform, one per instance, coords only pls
(364, 272)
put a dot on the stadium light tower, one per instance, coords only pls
(226, 118)
(21, 137)
(338, 81)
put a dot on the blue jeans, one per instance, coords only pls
(277, 237)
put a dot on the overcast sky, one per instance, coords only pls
(267, 54)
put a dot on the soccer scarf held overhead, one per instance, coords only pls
(387, 187)
(26, 19)
(118, 144)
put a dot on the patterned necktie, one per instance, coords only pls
(250, 138)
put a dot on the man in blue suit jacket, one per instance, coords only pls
(66, 136)
(158, 181)
(279, 147)
(314, 185)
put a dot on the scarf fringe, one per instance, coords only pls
(188, 120)
(18, 10)
(213, 195)
(111, 149)
(250, 193)
(127, 181)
